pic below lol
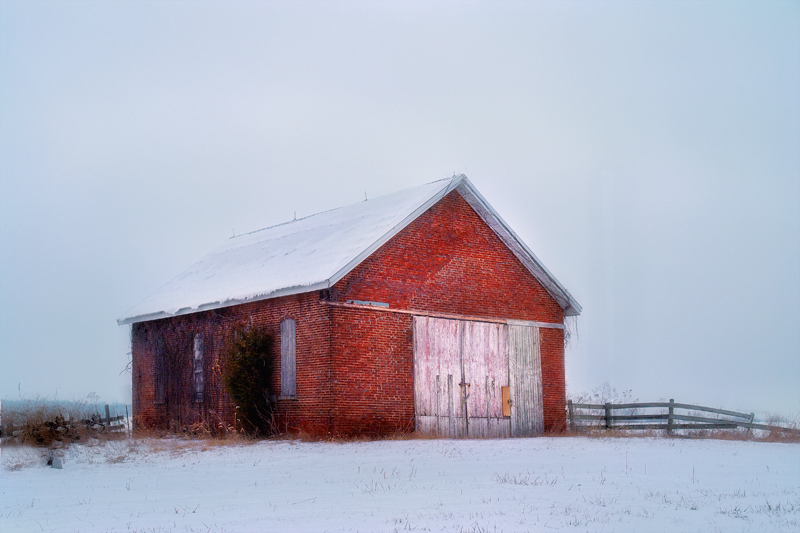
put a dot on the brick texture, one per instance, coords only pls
(373, 372)
(310, 412)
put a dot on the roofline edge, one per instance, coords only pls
(455, 181)
(570, 306)
(299, 289)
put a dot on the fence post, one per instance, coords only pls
(608, 415)
(670, 421)
(570, 413)
(108, 416)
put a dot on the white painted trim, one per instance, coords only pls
(551, 325)
(446, 316)
(288, 291)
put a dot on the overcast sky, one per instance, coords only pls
(648, 153)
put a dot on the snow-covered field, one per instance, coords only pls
(569, 483)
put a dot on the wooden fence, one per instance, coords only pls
(107, 422)
(98, 422)
(670, 416)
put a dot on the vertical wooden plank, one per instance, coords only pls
(435, 399)
(538, 399)
(451, 419)
(462, 384)
(447, 348)
(476, 357)
(498, 370)
(525, 381)
(670, 420)
(288, 358)
(487, 392)
(422, 368)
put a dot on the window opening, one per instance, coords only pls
(288, 359)
(198, 368)
(161, 372)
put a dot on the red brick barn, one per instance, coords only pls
(416, 310)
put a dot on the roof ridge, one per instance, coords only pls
(451, 178)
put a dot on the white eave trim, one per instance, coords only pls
(288, 291)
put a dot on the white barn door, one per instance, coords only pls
(437, 368)
(461, 369)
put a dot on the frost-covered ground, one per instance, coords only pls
(574, 484)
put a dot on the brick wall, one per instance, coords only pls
(449, 260)
(373, 372)
(553, 379)
(310, 412)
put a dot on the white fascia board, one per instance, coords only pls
(519, 248)
(534, 324)
(395, 230)
(288, 291)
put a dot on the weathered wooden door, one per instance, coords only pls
(438, 400)
(525, 372)
(484, 358)
(460, 371)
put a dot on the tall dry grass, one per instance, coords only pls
(40, 422)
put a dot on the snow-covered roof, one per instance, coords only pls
(315, 252)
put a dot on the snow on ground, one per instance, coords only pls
(569, 483)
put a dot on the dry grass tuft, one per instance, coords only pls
(46, 424)
(738, 434)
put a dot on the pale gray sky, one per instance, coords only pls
(649, 154)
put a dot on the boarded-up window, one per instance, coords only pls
(288, 370)
(160, 371)
(198, 368)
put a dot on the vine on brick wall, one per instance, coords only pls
(247, 376)
(170, 343)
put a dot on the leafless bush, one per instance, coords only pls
(605, 393)
(40, 422)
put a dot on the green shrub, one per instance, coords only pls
(247, 377)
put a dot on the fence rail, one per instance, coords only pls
(638, 418)
(97, 422)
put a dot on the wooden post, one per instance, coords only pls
(108, 416)
(127, 420)
(608, 415)
(670, 421)
(570, 412)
